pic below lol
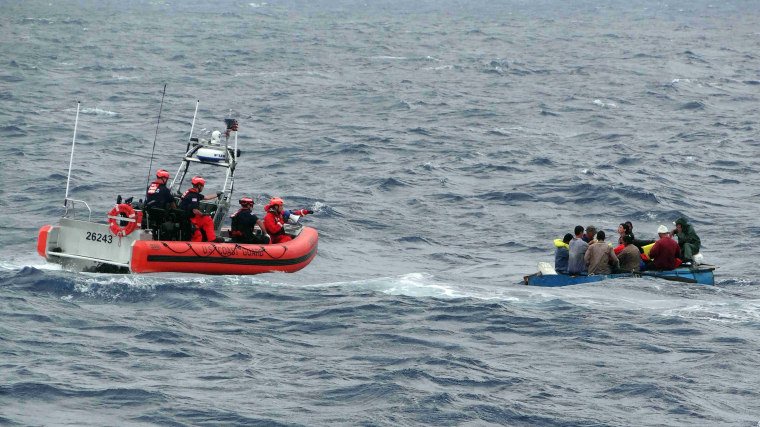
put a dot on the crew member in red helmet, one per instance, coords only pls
(157, 195)
(276, 218)
(191, 204)
(244, 222)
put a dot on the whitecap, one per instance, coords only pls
(411, 284)
(600, 103)
(98, 112)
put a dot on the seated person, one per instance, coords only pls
(562, 254)
(158, 195)
(665, 251)
(589, 236)
(190, 203)
(629, 257)
(158, 199)
(577, 249)
(243, 222)
(639, 243)
(688, 240)
(600, 258)
(276, 217)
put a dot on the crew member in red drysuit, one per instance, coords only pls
(277, 217)
(191, 204)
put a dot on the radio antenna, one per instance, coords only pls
(71, 160)
(150, 167)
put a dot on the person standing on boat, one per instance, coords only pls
(599, 256)
(577, 249)
(243, 222)
(158, 195)
(687, 239)
(629, 257)
(665, 251)
(276, 217)
(562, 254)
(190, 203)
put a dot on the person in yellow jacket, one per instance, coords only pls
(562, 254)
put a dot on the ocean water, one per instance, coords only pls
(442, 146)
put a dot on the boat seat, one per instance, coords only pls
(169, 224)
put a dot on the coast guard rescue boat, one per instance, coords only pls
(132, 239)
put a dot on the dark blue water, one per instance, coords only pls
(442, 145)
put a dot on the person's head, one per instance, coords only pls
(681, 223)
(662, 231)
(624, 229)
(162, 175)
(568, 237)
(198, 183)
(628, 239)
(600, 236)
(276, 204)
(578, 230)
(629, 226)
(246, 203)
(590, 231)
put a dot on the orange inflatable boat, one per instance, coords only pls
(224, 258)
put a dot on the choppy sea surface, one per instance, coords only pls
(442, 146)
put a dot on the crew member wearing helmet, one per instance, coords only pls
(190, 203)
(276, 218)
(158, 195)
(243, 222)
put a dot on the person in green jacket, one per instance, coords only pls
(687, 239)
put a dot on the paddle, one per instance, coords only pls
(660, 276)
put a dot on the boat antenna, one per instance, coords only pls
(150, 167)
(71, 160)
(192, 126)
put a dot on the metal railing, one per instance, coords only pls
(73, 210)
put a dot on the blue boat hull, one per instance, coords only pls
(702, 274)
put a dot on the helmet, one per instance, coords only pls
(162, 174)
(246, 201)
(198, 180)
(275, 201)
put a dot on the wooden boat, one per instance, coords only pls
(547, 277)
(130, 239)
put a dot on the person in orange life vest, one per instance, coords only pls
(157, 195)
(243, 222)
(191, 204)
(276, 218)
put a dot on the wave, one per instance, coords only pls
(692, 105)
(98, 112)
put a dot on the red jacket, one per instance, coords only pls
(664, 252)
(273, 223)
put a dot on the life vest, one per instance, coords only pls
(239, 230)
(186, 202)
(561, 244)
(154, 186)
(646, 249)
